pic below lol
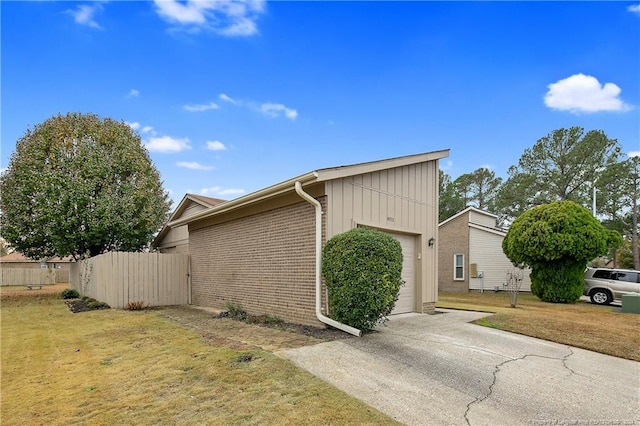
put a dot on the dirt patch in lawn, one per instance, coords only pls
(242, 336)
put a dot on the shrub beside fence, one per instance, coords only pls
(26, 276)
(119, 278)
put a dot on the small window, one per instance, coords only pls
(631, 277)
(603, 274)
(458, 267)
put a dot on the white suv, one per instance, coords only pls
(603, 285)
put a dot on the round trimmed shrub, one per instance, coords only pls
(70, 293)
(362, 269)
(556, 240)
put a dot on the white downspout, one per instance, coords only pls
(322, 318)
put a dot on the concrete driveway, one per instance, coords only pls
(441, 370)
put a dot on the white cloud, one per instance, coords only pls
(167, 144)
(217, 190)
(226, 98)
(448, 165)
(635, 8)
(133, 93)
(148, 129)
(216, 146)
(633, 154)
(229, 18)
(193, 165)
(135, 125)
(275, 110)
(584, 93)
(267, 108)
(202, 107)
(84, 14)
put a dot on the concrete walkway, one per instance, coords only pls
(441, 370)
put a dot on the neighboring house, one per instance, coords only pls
(176, 239)
(470, 255)
(259, 251)
(18, 260)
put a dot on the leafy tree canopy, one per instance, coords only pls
(450, 200)
(478, 189)
(80, 185)
(562, 165)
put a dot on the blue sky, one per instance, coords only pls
(230, 97)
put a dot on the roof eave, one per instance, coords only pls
(373, 166)
(245, 200)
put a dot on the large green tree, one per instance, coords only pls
(450, 200)
(562, 165)
(80, 185)
(478, 189)
(556, 241)
(618, 197)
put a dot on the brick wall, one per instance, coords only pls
(454, 238)
(264, 262)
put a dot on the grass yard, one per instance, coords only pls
(584, 325)
(120, 367)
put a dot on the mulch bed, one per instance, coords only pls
(262, 321)
(79, 305)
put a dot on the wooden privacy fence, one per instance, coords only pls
(119, 278)
(27, 276)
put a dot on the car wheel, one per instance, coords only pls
(600, 297)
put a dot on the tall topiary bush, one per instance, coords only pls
(556, 240)
(362, 269)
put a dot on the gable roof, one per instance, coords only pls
(206, 202)
(16, 257)
(490, 229)
(465, 211)
(316, 176)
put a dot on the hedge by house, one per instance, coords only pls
(362, 270)
(556, 240)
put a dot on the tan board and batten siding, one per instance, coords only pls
(401, 200)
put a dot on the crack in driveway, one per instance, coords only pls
(499, 366)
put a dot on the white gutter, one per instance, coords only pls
(322, 318)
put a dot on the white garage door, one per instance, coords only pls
(407, 297)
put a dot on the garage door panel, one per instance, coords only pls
(407, 296)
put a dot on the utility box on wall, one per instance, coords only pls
(473, 270)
